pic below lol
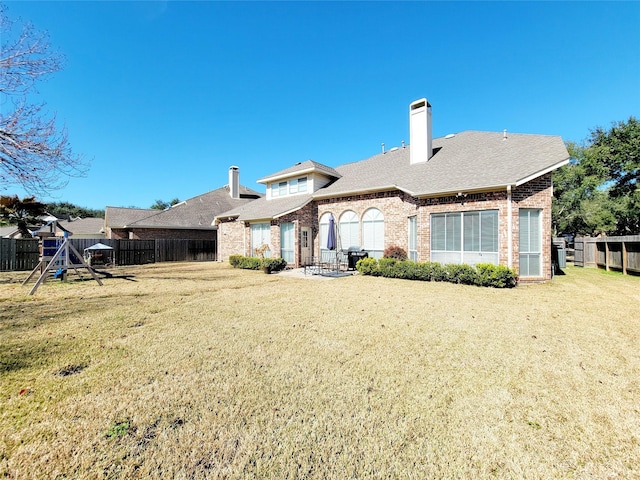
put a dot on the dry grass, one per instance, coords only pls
(202, 371)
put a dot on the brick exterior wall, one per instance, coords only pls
(397, 207)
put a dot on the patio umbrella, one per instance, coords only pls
(331, 237)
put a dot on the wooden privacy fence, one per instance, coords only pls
(23, 254)
(19, 254)
(610, 253)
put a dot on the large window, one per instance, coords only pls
(465, 237)
(324, 233)
(373, 232)
(349, 229)
(260, 235)
(413, 238)
(530, 243)
(286, 242)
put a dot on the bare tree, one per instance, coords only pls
(34, 153)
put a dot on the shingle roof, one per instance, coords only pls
(83, 226)
(263, 209)
(468, 161)
(119, 217)
(307, 166)
(197, 212)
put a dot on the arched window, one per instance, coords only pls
(349, 230)
(324, 232)
(373, 232)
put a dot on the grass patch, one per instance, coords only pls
(199, 370)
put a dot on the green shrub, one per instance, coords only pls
(274, 264)
(368, 266)
(256, 263)
(497, 276)
(395, 252)
(235, 260)
(436, 271)
(464, 274)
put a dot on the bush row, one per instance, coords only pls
(483, 274)
(255, 263)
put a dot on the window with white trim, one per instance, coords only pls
(373, 232)
(349, 230)
(260, 235)
(413, 238)
(323, 234)
(288, 187)
(530, 242)
(465, 237)
(286, 241)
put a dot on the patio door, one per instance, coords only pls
(305, 245)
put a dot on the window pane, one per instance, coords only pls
(293, 186)
(530, 243)
(373, 232)
(324, 231)
(489, 231)
(535, 234)
(283, 188)
(260, 235)
(472, 232)
(302, 184)
(453, 232)
(286, 242)
(438, 232)
(413, 238)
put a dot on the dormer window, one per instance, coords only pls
(290, 187)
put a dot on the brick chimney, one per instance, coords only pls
(234, 182)
(420, 134)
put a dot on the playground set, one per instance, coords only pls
(58, 256)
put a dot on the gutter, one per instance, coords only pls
(356, 192)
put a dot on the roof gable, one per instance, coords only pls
(301, 168)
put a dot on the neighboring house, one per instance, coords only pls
(473, 197)
(191, 219)
(84, 227)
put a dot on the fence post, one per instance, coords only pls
(624, 257)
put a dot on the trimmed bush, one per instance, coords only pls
(255, 263)
(395, 252)
(274, 264)
(368, 266)
(464, 274)
(487, 275)
(235, 260)
(497, 276)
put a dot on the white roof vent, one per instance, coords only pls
(451, 135)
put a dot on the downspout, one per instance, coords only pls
(509, 229)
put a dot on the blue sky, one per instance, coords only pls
(163, 97)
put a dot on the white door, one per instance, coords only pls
(305, 245)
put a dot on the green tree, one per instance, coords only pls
(14, 211)
(162, 205)
(597, 192)
(66, 209)
(618, 151)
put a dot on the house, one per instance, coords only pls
(89, 227)
(190, 219)
(471, 197)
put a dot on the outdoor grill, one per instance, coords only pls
(353, 255)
